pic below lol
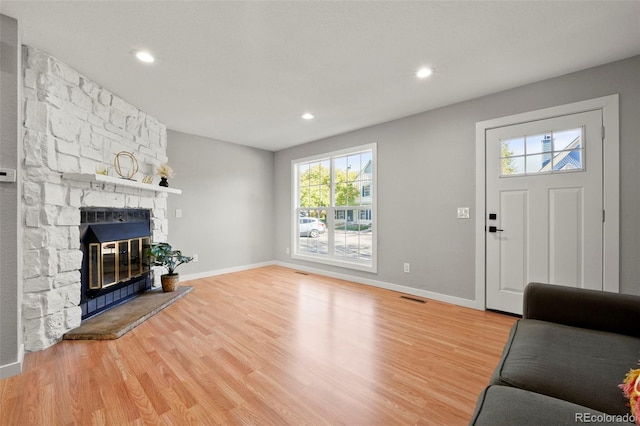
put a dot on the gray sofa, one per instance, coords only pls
(564, 359)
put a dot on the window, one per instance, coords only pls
(544, 153)
(334, 208)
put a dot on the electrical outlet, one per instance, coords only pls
(195, 258)
(407, 268)
(287, 251)
(178, 212)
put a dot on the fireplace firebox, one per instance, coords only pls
(115, 266)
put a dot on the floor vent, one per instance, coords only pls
(413, 299)
(301, 273)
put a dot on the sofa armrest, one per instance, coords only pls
(596, 310)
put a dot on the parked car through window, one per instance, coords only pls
(311, 227)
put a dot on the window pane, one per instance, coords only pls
(567, 139)
(568, 160)
(324, 195)
(340, 191)
(363, 179)
(367, 162)
(365, 192)
(347, 174)
(319, 201)
(536, 163)
(303, 185)
(511, 147)
(325, 173)
(347, 194)
(340, 232)
(303, 175)
(305, 193)
(513, 166)
(353, 194)
(314, 170)
(353, 234)
(340, 169)
(365, 239)
(353, 167)
(312, 229)
(538, 143)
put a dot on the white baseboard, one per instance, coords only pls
(223, 271)
(14, 368)
(389, 286)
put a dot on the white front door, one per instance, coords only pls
(544, 204)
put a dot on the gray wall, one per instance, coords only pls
(10, 253)
(227, 202)
(426, 166)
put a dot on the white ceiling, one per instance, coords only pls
(244, 72)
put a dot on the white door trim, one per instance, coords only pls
(611, 200)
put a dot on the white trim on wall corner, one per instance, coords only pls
(14, 368)
(381, 284)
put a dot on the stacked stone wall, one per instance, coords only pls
(72, 125)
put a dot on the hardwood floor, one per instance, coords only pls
(269, 346)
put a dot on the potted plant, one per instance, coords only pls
(164, 255)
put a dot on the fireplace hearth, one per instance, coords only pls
(115, 266)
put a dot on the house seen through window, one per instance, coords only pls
(334, 208)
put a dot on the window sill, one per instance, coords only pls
(340, 263)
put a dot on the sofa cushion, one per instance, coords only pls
(503, 405)
(574, 364)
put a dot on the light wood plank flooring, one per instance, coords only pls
(269, 346)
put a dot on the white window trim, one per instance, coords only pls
(330, 259)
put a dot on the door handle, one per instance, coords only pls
(495, 229)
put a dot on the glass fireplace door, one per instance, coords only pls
(123, 261)
(109, 264)
(117, 261)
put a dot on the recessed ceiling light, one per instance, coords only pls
(307, 116)
(424, 72)
(145, 57)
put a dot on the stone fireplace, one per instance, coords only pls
(72, 128)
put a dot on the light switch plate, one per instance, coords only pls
(463, 212)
